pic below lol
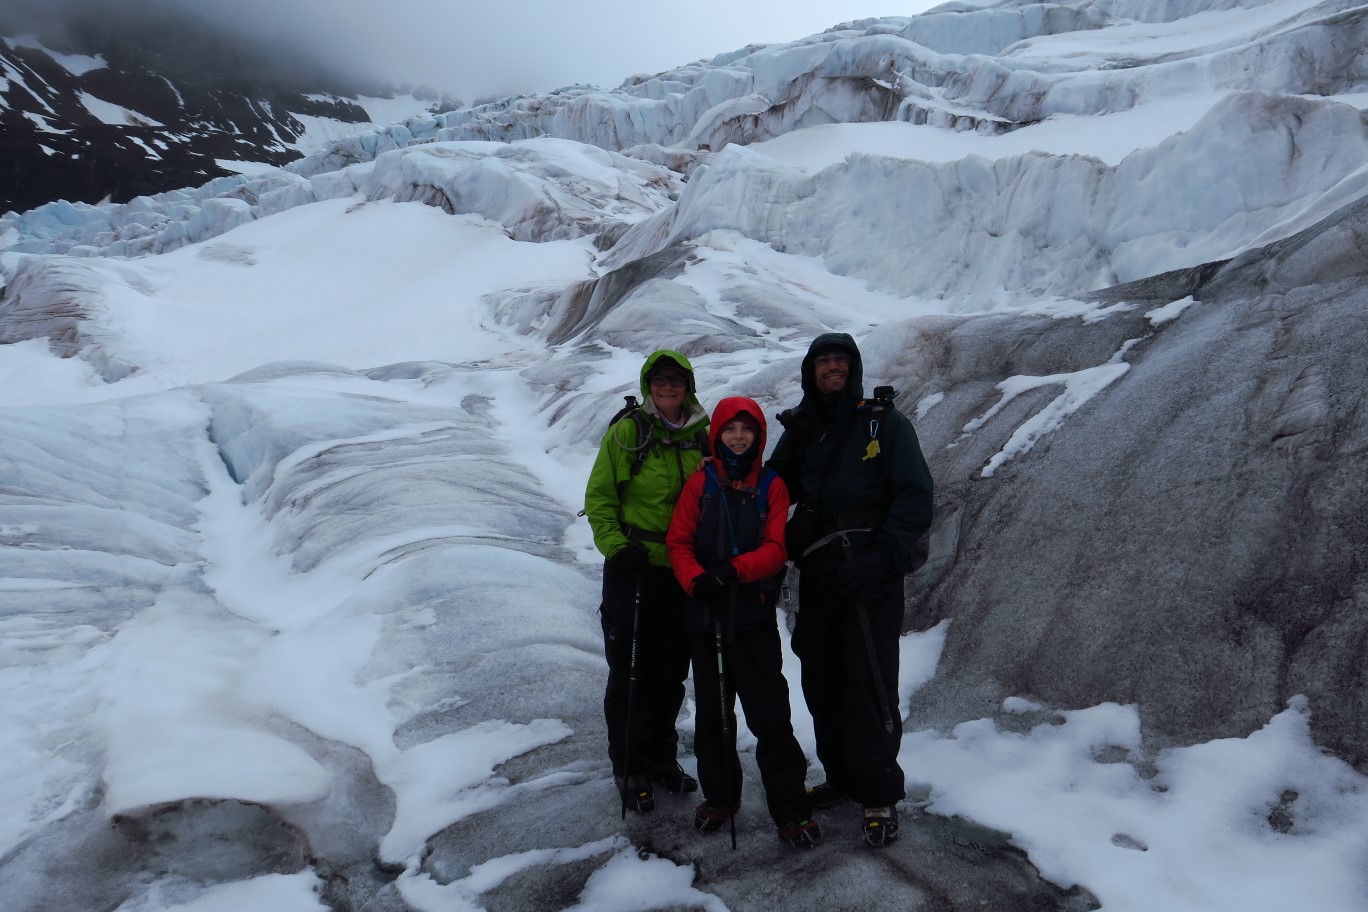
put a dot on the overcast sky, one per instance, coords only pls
(476, 49)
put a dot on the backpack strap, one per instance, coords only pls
(646, 440)
(921, 548)
(712, 486)
(874, 421)
(701, 442)
(767, 476)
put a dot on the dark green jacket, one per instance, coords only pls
(646, 500)
(829, 460)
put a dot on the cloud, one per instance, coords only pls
(478, 49)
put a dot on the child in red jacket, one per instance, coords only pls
(726, 545)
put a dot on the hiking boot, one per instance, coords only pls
(671, 777)
(710, 816)
(880, 825)
(801, 834)
(636, 792)
(826, 796)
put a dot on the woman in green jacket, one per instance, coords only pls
(642, 465)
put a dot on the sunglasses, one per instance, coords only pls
(671, 380)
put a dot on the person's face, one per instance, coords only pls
(737, 436)
(830, 371)
(668, 389)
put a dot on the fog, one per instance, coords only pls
(475, 50)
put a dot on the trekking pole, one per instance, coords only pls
(880, 697)
(724, 533)
(726, 725)
(631, 696)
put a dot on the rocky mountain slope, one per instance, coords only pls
(95, 106)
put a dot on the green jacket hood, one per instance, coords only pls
(693, 409)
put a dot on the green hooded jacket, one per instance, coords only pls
(645, 501)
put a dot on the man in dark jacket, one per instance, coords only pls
(863, 495)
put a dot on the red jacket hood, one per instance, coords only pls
(726, 411)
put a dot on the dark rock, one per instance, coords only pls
(1192, 540)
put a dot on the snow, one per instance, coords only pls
(42, 124)
(169, 734)
(75, 64)
(321, 132)
(392, 110)
(238, 167)
(276, 447)
(1197, 835)
(115, 115)
(434, 269)
(276, 892)
(927, 403)
(626, 882)
(79, 64)
(1109, 138)
(1079, 387)
(151, 152)
(1169, 311)
(1202, 30)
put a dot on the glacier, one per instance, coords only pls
(296, 612)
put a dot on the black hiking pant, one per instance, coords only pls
(753, 665)
(857, 752)
(662, 665)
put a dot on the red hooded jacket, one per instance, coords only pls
(751, 566)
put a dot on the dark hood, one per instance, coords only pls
(854, 390)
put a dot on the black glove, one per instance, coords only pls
(865, 576)
(630, 561)
(710, 586)
(798, 422)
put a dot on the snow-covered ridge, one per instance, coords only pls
(1257, 167)
(880, 70)
(542, 189)
(921, 70)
